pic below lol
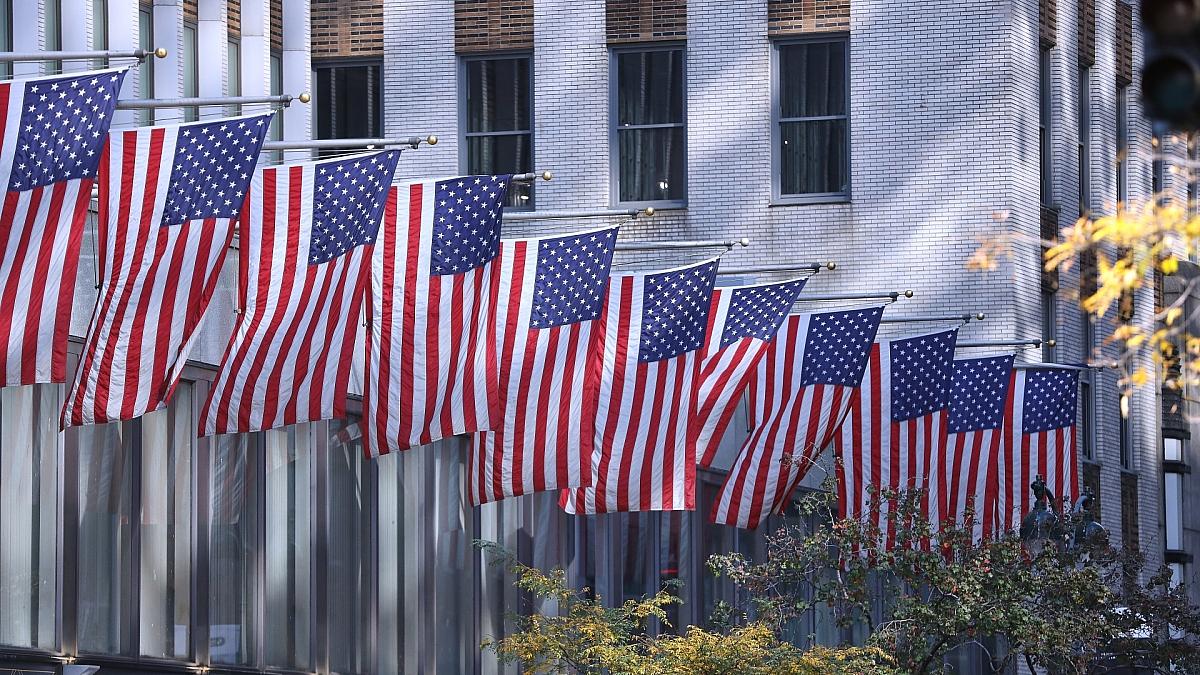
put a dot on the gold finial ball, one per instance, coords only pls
(305, 97)
(161, 52)
(431, 139)
(1051, 343)
(649, 210)
(909, 293)
(745, 241)
(546, 175)
(831, 266)
(980, 316)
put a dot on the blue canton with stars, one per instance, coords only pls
(675, 309)
(348, 200)
(921, 374)
(1050, 398)
(838, 345)
(64, 123)
(572, 274)
(978, 391)
(466, 223)
(757, 311)
(212, 168)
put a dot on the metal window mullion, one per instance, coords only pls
(199, 634)
(259, 629)
(657, 125)
(813, 118)
(66, 626)
(319, 556)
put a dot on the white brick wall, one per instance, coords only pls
(944, 136)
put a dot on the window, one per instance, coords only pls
(52, 39)
(233, 56)
(191, 73)
(1125, 437)
(1084, 139)
(1045, 117)
(99, 31)
(1157, 167)
(165, 528)
(146, 68)
(6, 36)
(28, 514)
(1193, 172)
(497, 120)
(1122, 144)
(1049, 323)
(233, 530)
(349, 100)
(350, 554)
(288, 550)
(1173, 507)
(1087, 417)
(812, 135)
(275, 133)
(650, 139)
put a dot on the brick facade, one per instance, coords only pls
(645, 20)
(233, 18)
(807, 16)
(1085, 27)
(491, 25)
(1124, 43)
(1048, 22)
(347, 28)
(277, 25)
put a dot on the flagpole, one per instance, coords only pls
(203, 101)
(1007, 343)
(762, 269)
(139, 54)
(350, 143)
(880, 295)
(965, 318)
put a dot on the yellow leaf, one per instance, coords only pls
(1169, 265)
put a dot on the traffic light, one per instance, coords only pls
(1171, 70)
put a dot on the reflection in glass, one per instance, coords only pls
(350, 557)
(497, 124)
(454, 584)
(28, 514)
(105, 482)
(395, 536)
(652, 164)
(233, 533)
(166, 527)
(288, 551)
(813, 144)
(813, 157)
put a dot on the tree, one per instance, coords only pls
(586, 636)
(1074, 607)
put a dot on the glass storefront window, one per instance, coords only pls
(166, 528)
(233, 572)
(29, 441)
(288, 547)
(349, 572)
(105, 496)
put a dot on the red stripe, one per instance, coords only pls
(309, 280)
(41, 273)
(522, 364)
(593, 369)
(66, 284)
(769, 417)
(322, 303)
(134, 352)
(266, 251)
(8, 296)
(455, 340)
(672, 414)
(562, 474)
(542, 414)
(405, 395)
(472, 414)
(615, 396)
(350, 312)
(633, 437)
(144, 229)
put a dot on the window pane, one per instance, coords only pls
(233, 535)
(288, 547)
(348, 100)
(166, 527)
(6, 36)
(812, 157)
(350, 557)
(1172, 449)
(395, 561)
(652, 164)
(503, 154)
(1172, 508)
(498, 95)
(146, 68)
(53, 32)
(191, 77)
(673, 554)
(105, 456)
(234, 72)
(812, 79)
(650, 87)
(28, 504)
(633, 566)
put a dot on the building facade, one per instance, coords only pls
(893, 139)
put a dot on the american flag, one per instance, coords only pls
(549, 291)
(652, 329)
(801, 392)
(52, 133)
(1039, 439)
(169, 199)
(978, 391)
(742, 322)
(305, 235)
(431, 371)
(896, 427)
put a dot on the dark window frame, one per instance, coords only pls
(777, 121)
(614, 127)
(1046, 126)
(464, 112)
